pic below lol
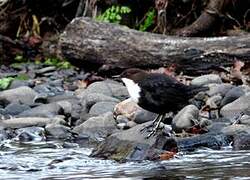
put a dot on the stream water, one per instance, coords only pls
(57, 160)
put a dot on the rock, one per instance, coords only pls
(127, 108)
(41, 98)
(97, 128)
(23, 95)
(143, 116)
(28, 121)
(30, 134)
(48, 89)
(233, 94)
(122, 119)
(214, 102)
(68, 95)
(241, 142)
(206, 79)
(209, 140)
(102, 107)
(245, 119)
(220, 89)
(45, 110)
(6, 133)
(236, 129)
(185, 118)
(104, 87)
(232, 109)
(46, 70)
(58, 131)
(14, 109)
(19, 83)
(92, 98)
(130, 145)
(217, 127)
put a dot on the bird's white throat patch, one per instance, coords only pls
(133, 89)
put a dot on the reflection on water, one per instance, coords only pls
(54, 160)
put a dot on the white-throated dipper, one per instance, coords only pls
(158, 93)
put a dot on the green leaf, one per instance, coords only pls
(5, 82)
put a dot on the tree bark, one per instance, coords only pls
(90, 44)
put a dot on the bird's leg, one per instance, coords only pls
(151, 124)
(156, 127)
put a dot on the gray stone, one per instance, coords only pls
(236, 129)
(97, 128)
(14, 109)
(185, 118)
(45, 110)
(206, 79)
(241, 142)
(93, 98)
(102, 107)
(245, 119)
(19, 83)
(46, 69)
(58, 131)
(233, 94)
(234, 108)
(23, 95)
(143, 116)
(103, 87)
(220, 89)
(31, 134)
(27, 122)
(132, 144)
(122, 119)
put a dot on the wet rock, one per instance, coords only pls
(206, 79)
(83, 117)
(241, 142)
(28, 121)
(102, 107)
(68, 95)
(58, 131)
(23, 95)
(236, 129)
(185, 118)
(233, 94)
(45, 110)
(220, 89)
(30, 134)
(14, 109)
(130, 144)
(209, 140)
(97, 128)
(240, 105)
(217, 127)
(105, 87)
(6, 133)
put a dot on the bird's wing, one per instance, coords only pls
(161, 89)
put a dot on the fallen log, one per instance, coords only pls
(91, 44)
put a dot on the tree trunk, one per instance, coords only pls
(92, 44)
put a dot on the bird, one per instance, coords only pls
(158, 93)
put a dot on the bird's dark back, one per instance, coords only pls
(162, 94)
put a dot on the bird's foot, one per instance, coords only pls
(152, 133)
(148, 127)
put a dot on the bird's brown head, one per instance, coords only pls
(134, 74)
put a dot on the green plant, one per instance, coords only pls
(114, 14)
(5, 82)
(62, 64)
(148, 21)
